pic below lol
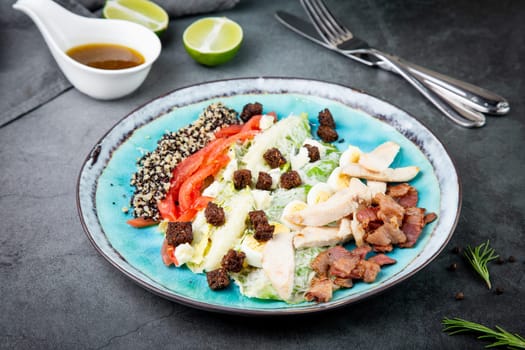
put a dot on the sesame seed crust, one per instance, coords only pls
(154, 169)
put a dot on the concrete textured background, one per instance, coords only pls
(57, 292)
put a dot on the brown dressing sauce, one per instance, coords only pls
(106, 56)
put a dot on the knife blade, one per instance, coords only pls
(308, 31)
(472, 96)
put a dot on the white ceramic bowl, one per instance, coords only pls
(63, 30)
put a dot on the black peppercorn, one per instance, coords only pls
(452, 267)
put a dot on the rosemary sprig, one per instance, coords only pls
(500, 336)
(479, 257)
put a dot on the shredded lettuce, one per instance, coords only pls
(303, 272)
(282, 197)
(320, 170)
(287, 136)
(254, 283)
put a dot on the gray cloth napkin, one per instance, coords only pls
(29, 76)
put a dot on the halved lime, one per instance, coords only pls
(142, 12)
(212, 40)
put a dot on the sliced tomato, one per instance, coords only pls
(188, 215)
(228, 130)
(141, 222)
(220, 147)
(180, 174)
(252, 124)
(188, 195)
(215, 160)
(201, 202)
(184, 169)
(189, 175)
(190, 189)
(167, 208)
(243, 136)
(168, 254)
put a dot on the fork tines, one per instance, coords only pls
(325, 22)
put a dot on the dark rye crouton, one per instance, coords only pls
(214, 214)
(250, 110)
(242, 178)
(274, 158)
(218, 279)
(290, 179)
(179, 233)
(257, 217)
(325, 118)
(313, 153)
(327, 134)
(263, 230)
(233, 261)
(264, 181)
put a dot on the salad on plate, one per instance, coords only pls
(259, 199)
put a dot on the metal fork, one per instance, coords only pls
(342, 39)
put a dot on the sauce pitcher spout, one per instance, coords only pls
(63, 30)
(51, 19)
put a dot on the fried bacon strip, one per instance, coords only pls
(337, 267)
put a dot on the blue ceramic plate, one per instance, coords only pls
(362, 120)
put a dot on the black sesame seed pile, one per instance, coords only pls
(152, 179)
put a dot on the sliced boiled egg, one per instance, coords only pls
(292, 207)
(254, 249)
(319, 192)
(337, 180)
(351, 155)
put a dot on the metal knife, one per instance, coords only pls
(471, 96)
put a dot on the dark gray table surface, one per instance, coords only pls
(56, 291)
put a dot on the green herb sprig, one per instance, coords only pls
(479, 257)
(500, 336)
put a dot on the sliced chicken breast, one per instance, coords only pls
(380, 158)
(339, 205)
(388, 175)
(312, 236)
(278, 262)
